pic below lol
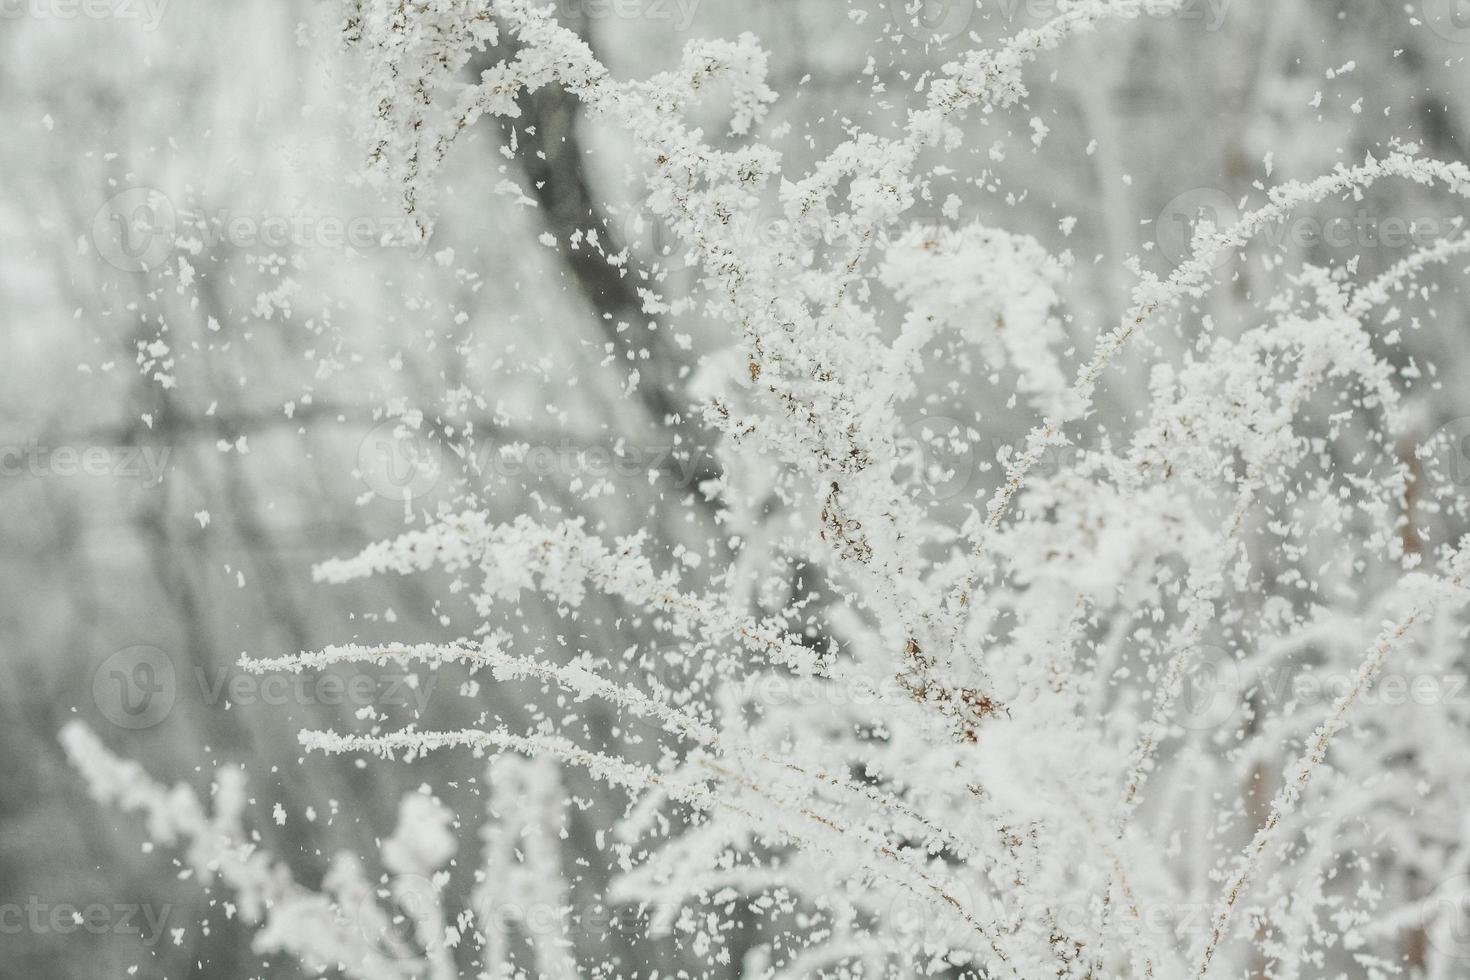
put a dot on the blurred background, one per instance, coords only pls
(190, 421)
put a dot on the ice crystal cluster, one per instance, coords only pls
(1119, 717)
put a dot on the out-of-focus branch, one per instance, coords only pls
(550, 156)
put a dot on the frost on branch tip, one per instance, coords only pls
(403, 925)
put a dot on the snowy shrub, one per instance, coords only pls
(1126, 717)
